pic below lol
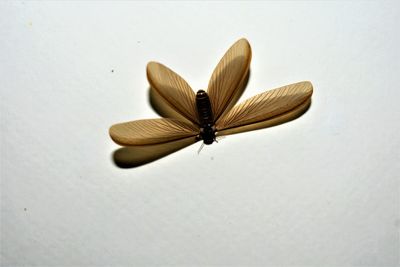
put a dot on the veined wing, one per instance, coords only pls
(161, 106)
(174, 90)
(151, 131)
(133, 156)
(267, 109)
(226, 83)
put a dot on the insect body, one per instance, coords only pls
(206, 118)
(212, 112)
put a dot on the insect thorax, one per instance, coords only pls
(206, 117)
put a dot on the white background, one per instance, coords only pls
(322, 190)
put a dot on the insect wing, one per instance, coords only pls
(133, 156)
(151, 131)
(226, 83)
(267, 109)
(173, 90)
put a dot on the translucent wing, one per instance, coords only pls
(226, 83)
(173, 89)
(266, 109)
(161, 106)
(133, 156)
(151, 131)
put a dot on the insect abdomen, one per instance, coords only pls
(204, 111)
(206, 118)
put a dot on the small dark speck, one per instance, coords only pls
(112, 70)
(24, 209)
(138, 42)
(212, 158)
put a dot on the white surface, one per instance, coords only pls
(322, 190)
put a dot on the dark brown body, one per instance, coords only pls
(206, 117)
